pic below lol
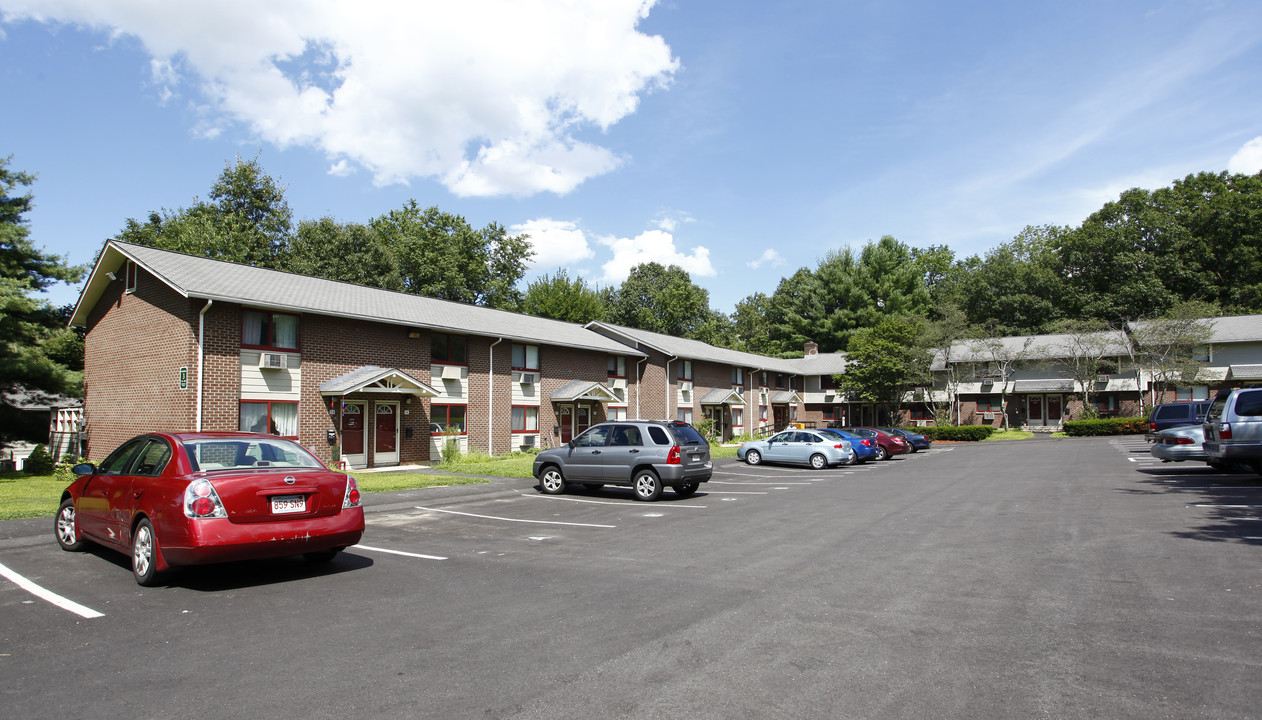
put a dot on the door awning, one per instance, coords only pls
(584, 390)
(1047, 385)
(371, 378)
(785, 396)
(1246, 372)
(722, 396)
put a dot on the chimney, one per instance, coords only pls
(810, 349)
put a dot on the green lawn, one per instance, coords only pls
(1009, 435)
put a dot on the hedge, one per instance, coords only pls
(1106, 426)
(954, 432)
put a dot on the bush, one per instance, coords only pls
(62, 471)
(955, 432)
(39, 462)
(1106, 426)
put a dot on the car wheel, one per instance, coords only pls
(687, 489)
(144, 554)
(880, 454)
(819, 462)
(912, 447)
(67, 531)
(648, 487)
(592, 487)
(321, 556)
(753, 457)
(552, 482)
(854, 459)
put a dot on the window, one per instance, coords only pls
(525, 419)
(827, 382)
(738, 417)
(762, 379)
(762, 413)
(617, 413)
(779, 380)
(1200, 392)
(684, 415)
(594, 437)
(617, 366)
(274, 418)
(828, 413)
(152, 459)
(132, 272)
(525, 357)
(449, 416)
(1249, 404)
(989, 404)
(919, 413)
(1202, 354)
(793, 413)
(116, 462)
(444, 348)
(626, 436)
(738, 376)
(1104, 402)
(269, 330)
(685, 369)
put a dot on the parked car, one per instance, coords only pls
(1175, 414)
(916, 441)
(799, 447)
(864, 448)
(887, 445)
(1178, 444)
(1233, 428)
(171, 499)
(643, 454)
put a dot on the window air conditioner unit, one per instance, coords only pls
(526, 378)
(1101, 378)
(618, 383)
(922, 423)
(528, 441)
(272, 361)
(988, 416)
(685, 385)
(451, 372)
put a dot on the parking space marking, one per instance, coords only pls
(49, 596)
(1233, 507)
(519, 520)
(723, 482)
(599, 502)
(737, 492)
(398, 552)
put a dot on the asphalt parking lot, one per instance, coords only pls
(1045, 578)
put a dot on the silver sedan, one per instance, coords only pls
(798, 447)
(1180, 443)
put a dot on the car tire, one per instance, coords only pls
(647, 486)
(881, 454)
(551, 481)
(818, 462)
(753, 457)
(320, 557)
(144, 554)
(854, 459)
(65, 528)
(688, 489)
(592, 487)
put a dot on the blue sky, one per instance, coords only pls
(740, 140)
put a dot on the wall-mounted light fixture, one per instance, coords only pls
(111, 276)
(414, 333)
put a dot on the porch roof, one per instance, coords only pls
(584, 390)
(1246, 372)
(785, 396)
(1045, 385)
(372, 378)
(722, 396)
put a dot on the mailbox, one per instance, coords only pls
(330, 435)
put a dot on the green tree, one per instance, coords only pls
(560, 298)
(347, 252)
(751, 324)
(246, 220)
(27, 321)
(1018, 286)
(883, 362)
(661, 299)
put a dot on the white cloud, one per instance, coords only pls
(487, 96)
(768, 257)
(557, 243)
(652, 246)
(1248, 159)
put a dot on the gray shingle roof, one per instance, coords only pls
(204, 278)
(1233, 328)
(361, 377)
(720, 396)
(583, 390)
(1040, 347)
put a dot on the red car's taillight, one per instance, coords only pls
(202, 502)
(672, 458)
(351, 499)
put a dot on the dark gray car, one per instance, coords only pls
(645, 455)
(1233, 428)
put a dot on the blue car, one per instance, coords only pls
(917, 441)
(864, 449)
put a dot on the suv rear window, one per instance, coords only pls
(688, 435)
(1249, 403)
(1171, 412)
(658, 435)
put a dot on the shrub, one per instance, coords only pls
(39, 462)
(62, 471)
(955, 432)
(1106, 426)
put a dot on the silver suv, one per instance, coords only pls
(1233, 428)
(643, 454)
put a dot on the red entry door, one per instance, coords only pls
(566, 420)
(353, 430)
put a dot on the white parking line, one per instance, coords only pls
(49, 596)
(737, 492)
(599, 502)
(493, 517)
(398, 552)
(1234, 507)
(722, 482)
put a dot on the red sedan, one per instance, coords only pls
(887, 444)
(171, 499)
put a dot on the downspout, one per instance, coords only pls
(666, 408)
(201, 360)
(638, 378)
(490, 421)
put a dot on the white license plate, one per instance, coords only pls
(282, 504)
(696, 458)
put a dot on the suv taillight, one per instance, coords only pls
(1152, 426)
(1224, 431)
(672, 458)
